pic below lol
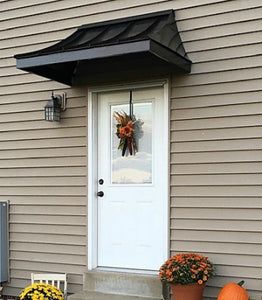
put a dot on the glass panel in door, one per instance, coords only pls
(135, 168)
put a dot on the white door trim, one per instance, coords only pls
(92, 208)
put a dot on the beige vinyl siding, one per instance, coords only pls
(216, 145)
(215, 137)
(42, 174)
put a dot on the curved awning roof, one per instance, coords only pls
(121, 48)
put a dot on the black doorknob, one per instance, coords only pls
(100, 194)
(101, 181)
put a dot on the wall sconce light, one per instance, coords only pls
(55, 106)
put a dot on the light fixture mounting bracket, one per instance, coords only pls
(61, 99)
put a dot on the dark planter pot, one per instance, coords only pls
(187, 292)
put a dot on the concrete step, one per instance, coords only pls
(128, 284)
(102, 296)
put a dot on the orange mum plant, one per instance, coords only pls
(186, 268)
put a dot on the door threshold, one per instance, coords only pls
(122, 270)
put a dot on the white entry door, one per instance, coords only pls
(132, 201)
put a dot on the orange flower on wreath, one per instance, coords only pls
(126, 131)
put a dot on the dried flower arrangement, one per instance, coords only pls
(126, 128)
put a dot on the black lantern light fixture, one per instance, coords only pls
(55, 106)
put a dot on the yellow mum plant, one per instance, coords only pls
(41, 291)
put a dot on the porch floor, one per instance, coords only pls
(85, 295)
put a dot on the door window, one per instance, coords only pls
(136, 168)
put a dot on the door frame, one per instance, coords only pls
(92, 121)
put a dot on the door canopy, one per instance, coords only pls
(140, 46)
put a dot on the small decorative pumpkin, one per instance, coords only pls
(233, 291)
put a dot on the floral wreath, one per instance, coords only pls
(125, 131)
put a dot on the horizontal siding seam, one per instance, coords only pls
(92, 14)
(40, 157)
(43, 100)
(49, 214)
(221, 94)
(211, 173)
(216, 196)
(49, 243)
(224, 70)
(42, 176)
(210, 163)
(217, 117)
(216, 206)
(141, 5)
(44, 138)
(44, 224)
(69, 126)
(224, 58)
(47, 205)
(239, 9)
(212, 129)
(100, 12)
(55, 10)
(218, 242)
(45, 243)
(215, 185)
(214, 242)
(220, 25)
(42, 195)
(43, 261)
(56, 88)
(213, 230)
(218, 83)
(184, 40)
(42, 252)
(24, 5)
(217, 139)
(43, 166)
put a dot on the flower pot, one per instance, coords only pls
(188, 291)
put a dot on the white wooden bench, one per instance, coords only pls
(57, 280)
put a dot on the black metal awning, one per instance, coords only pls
(119, 49)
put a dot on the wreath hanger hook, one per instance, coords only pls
(131, 108)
